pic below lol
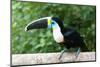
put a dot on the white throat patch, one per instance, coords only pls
(58, 37)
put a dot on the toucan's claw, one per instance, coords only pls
(77, 53)
(62, 52)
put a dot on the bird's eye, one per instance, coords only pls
(53, 23)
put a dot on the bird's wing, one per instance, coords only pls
(75, 39)
(72, 34)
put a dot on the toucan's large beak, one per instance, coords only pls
(38, 24)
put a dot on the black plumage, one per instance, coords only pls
(72, 38)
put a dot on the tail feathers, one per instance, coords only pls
(84, 48)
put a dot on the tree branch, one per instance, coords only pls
(45, 58)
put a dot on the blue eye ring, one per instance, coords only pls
(53, 22)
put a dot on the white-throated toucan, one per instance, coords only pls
(68, 37)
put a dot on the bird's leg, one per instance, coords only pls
(77, 53)
(62, 52)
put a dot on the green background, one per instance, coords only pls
(82, 18)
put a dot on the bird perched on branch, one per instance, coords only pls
(66, 37)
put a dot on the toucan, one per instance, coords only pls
(67, 37)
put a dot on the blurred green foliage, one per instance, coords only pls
(83, 18)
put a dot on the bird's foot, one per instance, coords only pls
(62, 52)
(60, 56)
(77, 53)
